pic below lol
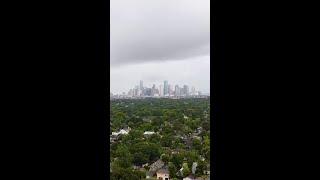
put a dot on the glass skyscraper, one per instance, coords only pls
(165, 88)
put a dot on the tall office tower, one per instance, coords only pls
(143, 92)
(177, 90)
(136, 91)
(156, 92)
(186, 90)
(171, 90)
(147, 91)
(181, 91)
(130, 93)
(165, 88)
(161, 90)
(193, 91)
(141, 85)
(153, 90)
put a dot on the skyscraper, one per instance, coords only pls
(130, 93)
(153, 90)
(165, 88)
(193, 91)
(147, 92)
(141, 85)
(161, 90)
(186, 90)
(177, 90)
(136, 91)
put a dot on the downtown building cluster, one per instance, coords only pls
(163, 90)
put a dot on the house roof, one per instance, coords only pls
(189, 177)
(155, 166)
(163, 171)
(148, 132)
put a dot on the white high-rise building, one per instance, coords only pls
(177, 90)
(161, 90)
(193, 91)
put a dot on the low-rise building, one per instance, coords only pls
(190, 177)
(154, 168)
(148, 133)
(163, 174)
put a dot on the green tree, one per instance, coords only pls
(177, 160)
(200, 168)
(206, 147)
(140, 158)
(166, 140)
(154, 138)
(172, 170)
(192, 156)
(165, 158)
(196, 144)
(206, 125)
(124, 174)
(186, 170)
(151, 150)
(124, 157)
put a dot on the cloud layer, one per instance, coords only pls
(158, 30)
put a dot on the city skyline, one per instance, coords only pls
(160, 87)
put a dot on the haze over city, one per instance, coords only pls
(155, 41)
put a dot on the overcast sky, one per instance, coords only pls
(157, 40)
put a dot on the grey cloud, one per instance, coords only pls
(158, 30)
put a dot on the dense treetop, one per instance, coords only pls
(181, 135)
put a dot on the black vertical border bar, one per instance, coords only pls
(102, 66)
(217, 95)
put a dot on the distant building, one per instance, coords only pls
(177, 90)
(181, 91)
(193, 91)
(141, 85)
(147, 92)
(153, 90)
(186, 90)
(161, 90)
(136, 91)
(131, 92)
(171, 92)
(140, 92)
(165, 88)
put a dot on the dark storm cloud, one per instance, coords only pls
(158, 30)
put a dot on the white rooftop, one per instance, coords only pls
(148, 132)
